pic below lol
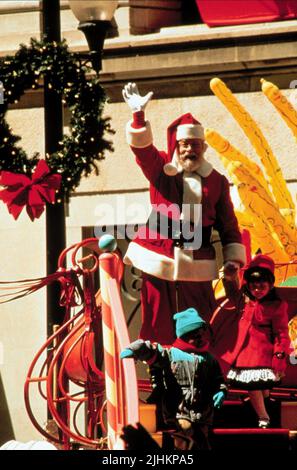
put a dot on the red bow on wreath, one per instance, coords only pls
(32, 192)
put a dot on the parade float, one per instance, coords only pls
(77, 370)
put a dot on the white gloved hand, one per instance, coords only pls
(133, 99)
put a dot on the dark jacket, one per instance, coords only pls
(188, 383)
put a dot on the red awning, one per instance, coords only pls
(232, 12)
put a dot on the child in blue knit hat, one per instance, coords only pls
(187, 378)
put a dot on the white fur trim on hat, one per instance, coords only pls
(189, 131)
(170, 169)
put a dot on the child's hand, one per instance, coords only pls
(139, 349)
(137, 438)
(201, 359)
(279, 365)
(218, 399)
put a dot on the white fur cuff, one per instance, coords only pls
(139, 138)
(234, 252)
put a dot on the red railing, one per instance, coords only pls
(68, 356)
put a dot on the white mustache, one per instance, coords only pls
(191, 156)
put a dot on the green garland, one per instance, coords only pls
(78, 152)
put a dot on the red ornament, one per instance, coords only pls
(33, 192)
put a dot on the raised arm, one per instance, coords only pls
(139, 135)
(227, 226)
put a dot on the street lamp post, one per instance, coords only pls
(53, 123)
(94, 17)
(94, 20)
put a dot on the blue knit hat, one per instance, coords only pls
(188, 320)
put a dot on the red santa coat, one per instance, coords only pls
(163, 257)
(262, 331)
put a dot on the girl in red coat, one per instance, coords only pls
(259, 355)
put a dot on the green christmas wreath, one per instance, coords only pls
(78, 152)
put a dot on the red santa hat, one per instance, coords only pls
(184, 127)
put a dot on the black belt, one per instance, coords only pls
(182, 232)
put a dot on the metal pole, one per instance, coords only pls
(55, 214)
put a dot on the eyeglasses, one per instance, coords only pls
(195, 144)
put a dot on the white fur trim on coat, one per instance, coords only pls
(182, 268)
(139, 138)
(204, 169)
(190, 131)
(150, 262)
(188, 269)
(192, 193)
(234, 252)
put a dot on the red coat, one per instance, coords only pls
(262, 331)
(160, 255)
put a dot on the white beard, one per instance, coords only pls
(190, 165)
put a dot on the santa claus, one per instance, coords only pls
(189, 199)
